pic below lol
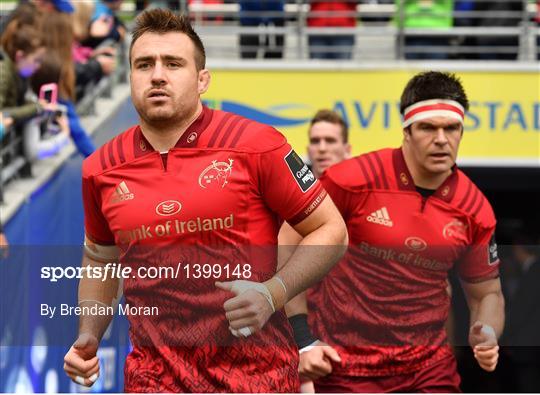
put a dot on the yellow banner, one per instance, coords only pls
(503, 122)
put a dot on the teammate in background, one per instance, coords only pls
(328, 141)
(187, 181)
(328, 144)
(411, 215)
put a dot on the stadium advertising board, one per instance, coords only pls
(502, 126)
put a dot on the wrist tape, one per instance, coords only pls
(302, 334)
(278, 292)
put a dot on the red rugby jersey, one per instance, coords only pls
(385, 303)
(216, 202)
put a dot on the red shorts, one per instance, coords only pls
(442, 376)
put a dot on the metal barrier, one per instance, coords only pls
(12, 160)
(381, 32)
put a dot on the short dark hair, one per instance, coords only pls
(330, 116)
(433, 85)
(162, 21)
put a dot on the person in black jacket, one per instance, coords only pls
(507, 13)
(522, 332)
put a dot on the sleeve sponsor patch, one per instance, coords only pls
(493, 255)
(301, 172)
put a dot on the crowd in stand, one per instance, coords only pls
(52, 52)
(445, 14)
(430, 16)
(265, 38)
(65, 38)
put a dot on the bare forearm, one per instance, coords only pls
(313, 258)
(297, 305)
(490, 311)
(99, 300)
(288, 240)
(94, 324)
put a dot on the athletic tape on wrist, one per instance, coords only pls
(241, 286)
(278, 292)
(268, 297)
(281, 282)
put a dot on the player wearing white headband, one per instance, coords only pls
(378, 317)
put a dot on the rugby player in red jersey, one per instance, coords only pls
(328, 141)
(411, 216)
(203, 192)
(328, 144)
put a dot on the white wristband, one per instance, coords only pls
(281, 282)
(241, 286)
(308, 348)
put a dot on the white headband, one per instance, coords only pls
(433, 108)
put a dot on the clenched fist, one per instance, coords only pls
(483, 341)
(81, 363)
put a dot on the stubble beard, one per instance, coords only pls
(160, 118)
(438, 170)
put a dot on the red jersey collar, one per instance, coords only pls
(141, 146)
(193, 133)
(188, 139)
(405, 181)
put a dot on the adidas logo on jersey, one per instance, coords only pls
(122, 193)
(380, 217)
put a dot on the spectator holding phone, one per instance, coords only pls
(50, 72)
(59, 40)
(45, 136)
